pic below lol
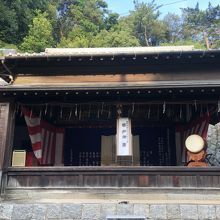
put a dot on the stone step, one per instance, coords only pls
(114, 196)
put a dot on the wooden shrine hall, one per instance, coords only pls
(108, 117)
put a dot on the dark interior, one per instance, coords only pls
(84, 126)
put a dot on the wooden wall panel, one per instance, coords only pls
(115, 177)
(188, 181)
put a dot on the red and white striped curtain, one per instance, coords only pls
(47, 140)
(197, 126)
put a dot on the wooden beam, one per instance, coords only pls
(146, 79)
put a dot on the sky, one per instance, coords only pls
(123, 7)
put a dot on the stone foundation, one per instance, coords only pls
(104, 204)
(99, 211)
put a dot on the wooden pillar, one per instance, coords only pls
(136, 150)
(4, 129)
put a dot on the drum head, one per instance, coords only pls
(194, 143)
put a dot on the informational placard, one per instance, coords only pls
(18, 158)
(124, 137)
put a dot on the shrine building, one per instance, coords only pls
(109, 125)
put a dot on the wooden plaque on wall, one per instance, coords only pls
(124, 137)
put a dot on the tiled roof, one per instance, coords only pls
(50, 52)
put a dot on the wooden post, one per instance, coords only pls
(4, 129)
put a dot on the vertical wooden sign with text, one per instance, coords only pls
(124, 137)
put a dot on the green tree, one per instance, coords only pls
(111, 20)
(120, 35)
(40, 34)
(213, 24)
(147, 27)
(89, 23)
(196, 44)
(174, 27)
(16, 15)
(8, 24)
(114, 38)
(82, 22)
(203, 25)
(89, 15)
(54, 19)
(76, 38)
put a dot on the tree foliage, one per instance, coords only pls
(88, 15)
(76, 38)
(40, 34)
(16, 16)
(8, 24)
(174, 30)
(114, 38)
(147, 27)
(203, 25)
(33, 25)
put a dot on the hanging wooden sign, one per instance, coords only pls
(124, 137)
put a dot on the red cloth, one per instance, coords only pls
(31, 160)
(47, 140)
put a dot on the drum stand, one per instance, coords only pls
(197, 159)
